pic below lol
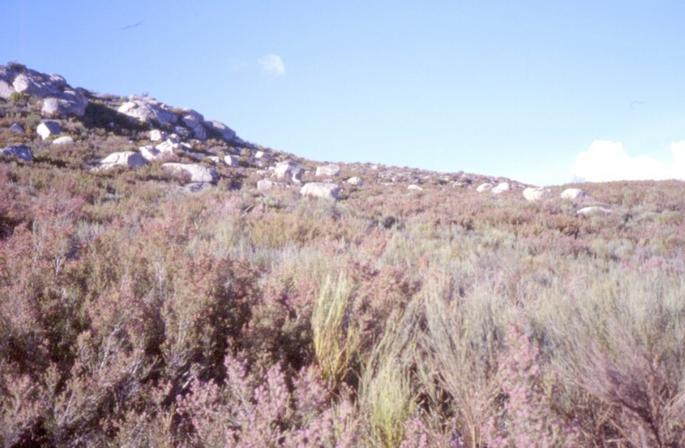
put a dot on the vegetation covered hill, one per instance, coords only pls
(142, 304)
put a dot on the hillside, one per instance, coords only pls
(166, 283)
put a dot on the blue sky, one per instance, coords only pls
(523, 89)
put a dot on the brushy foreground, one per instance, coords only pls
(135, 315)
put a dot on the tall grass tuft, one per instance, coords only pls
(386, 391)
(335, 337)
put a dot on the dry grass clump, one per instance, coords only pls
(133, 314)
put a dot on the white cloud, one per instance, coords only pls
(272, 64)
(606, 160)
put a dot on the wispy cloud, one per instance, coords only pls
(272, 65)
(607, 160)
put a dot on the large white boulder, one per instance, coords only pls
(68, 103)
(46, 129)
(128, 159)
(327, 170)
(156, 135)
(22, 152)
(533, 194)
(193, 171)
(414, 187)
(321, 190)
(501, 188)
(288, 170)
(573, 194)
(486, 186)
(147, 110)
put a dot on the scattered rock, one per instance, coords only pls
(321, 190)
(288, 170)
(357, 181)
(16, 128)
(47, 129)
(484, 187)
(501, 188)
(195, 172)
(156, 135)
(573, 194)
(22, 152)
(327, 170)
(414, 187)
(64, 140)
(128, 159)
(232, 161)
(593, 211)
(533, 194)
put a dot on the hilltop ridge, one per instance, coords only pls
(104, 130)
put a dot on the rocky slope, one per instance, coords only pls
(42, 116)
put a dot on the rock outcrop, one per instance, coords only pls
(148, 110)
(59, 99)
(221, 129)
